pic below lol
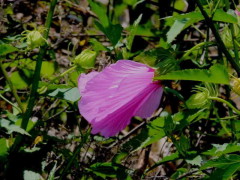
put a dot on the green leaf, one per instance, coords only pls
(163, 59)
(180, 22)
(172, 157)
(30, 124)
(195, 161)
(70, 94)
(113, 32)
(48, 69)
(223, 16)
(11, 127)
(175, 29)
(216, 74)
(6, 49)
(222, 161)
(150, 134)
(225, 173)
(18, 81)
(132, 33)
(101, 13)
(52, 172)
(221, 149)
(103, 169)
(30, 175)
(3, 150)
(226, 166)
(97, 46)
(182, 145)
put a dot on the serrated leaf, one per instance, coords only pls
(216, 74)
(6, 49)
(150, 134)
(222, 161)
(70, 94)
(221, 149)
(226, 166)
(195, 161)
(225, 173)
(10, 127)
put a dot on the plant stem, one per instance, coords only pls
(75, 153)
(232, 33)
(194, 48)
(221, 45)
(226, 102)
(5, 99)
(64, 73)
(12, 87)
(36, 76)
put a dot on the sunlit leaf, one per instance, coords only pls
(216, 74)
(220, 149)
(6, 49)
(100, 12)
(70, 94)
(11, 127)
(30, 175)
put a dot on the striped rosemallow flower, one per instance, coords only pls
(110, 98)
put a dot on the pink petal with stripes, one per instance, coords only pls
(112, 97)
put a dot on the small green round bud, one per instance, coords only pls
(35, 39)
(86, 59)
(236, 85)
(198, 100)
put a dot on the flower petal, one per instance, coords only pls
(84, 79)
(112, 97)
(150, 103)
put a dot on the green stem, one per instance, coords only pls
(36, 76)
(226, 102)
(194, 48)
(225, 118)
(221, 45)
(9, 102)
(64, 73)
(12, 87)
(233, 34)
(75, 153)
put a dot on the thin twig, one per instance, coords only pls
(221, 45)
(12, 87)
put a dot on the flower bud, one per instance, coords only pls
(236, 85)
(34, 39)
(198, 100)
(86, 59)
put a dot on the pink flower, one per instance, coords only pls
(109, 99)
